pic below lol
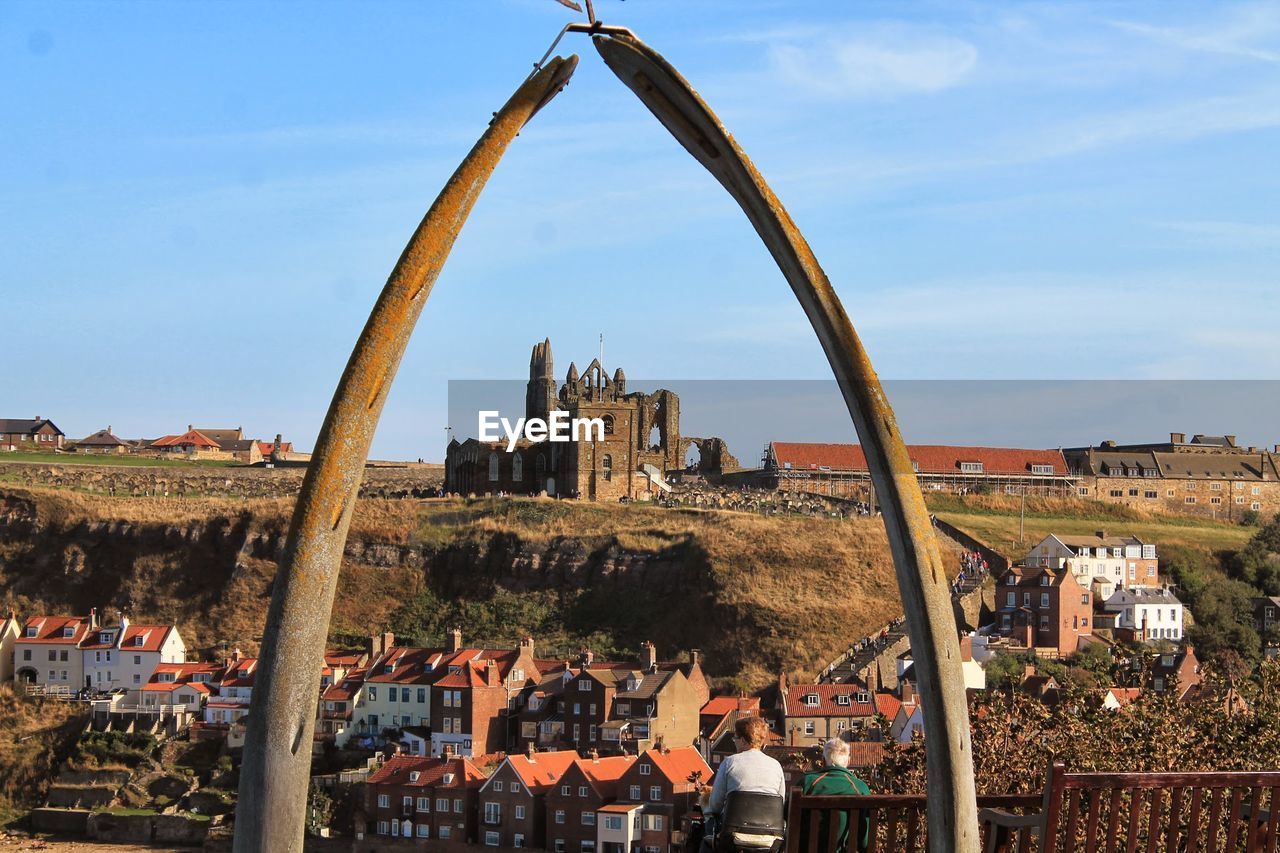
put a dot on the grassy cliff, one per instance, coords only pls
(756, 595)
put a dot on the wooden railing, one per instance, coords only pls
(893, 822)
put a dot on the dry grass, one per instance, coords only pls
(35, 735)
(994, 519)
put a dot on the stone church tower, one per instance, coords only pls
(540, 395)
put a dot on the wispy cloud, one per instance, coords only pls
(1227, 235)
(877, 61)
(1249, 32)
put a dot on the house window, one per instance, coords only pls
(584, 686)
(493, 467)
(1026, 599)
(1133, 493)
(445, 831)
(635, 792)
(515, 789)
(518, 840)
(1044, 599)
(613, 822)
(1255, 505)
(1215, 500)
(457, 806)
(1083, 490)
(1190, 499)
(560, 819)
(606, 464)
(1215, 487)
(1117, 493)
(442, 804)
(588, 818)
(971, 467)
(608, 424)
(564, 790)
(559, 845)
(808, 728)
(1150, 493)
(1044, 623)
(384, 801)
(1041, 469)
(811, 699)
(1011, 600)
(383, 827)
(519, 812)
(424, 804)
(492, 812)
(1169, 493)
(655, 792)
(424, 830)
(582, 791)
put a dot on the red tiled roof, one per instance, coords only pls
(409, 666)
(543, 770)
(718, 706)
(233, 678)
(621, 807)
(431, 771)
(887, 704)
(347, 689)
(930, 458)
(267, 447)
(678, 764)
(192, 436)
(827, 705)
(49, 630)
(153, 637)
(603, 773)
(865, 753)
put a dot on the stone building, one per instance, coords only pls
(641, 440)
(1207, 475)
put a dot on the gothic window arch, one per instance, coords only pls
(606, 465)
(540, 466)
(608, 424)
(494, 461)
(517, 468)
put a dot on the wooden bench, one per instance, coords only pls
(897, 821)
(1167, 812)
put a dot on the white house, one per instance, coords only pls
(1152, 613)
(231, 702)
(1108, 562)
(125, 655)
(179, 687)
(48, 651)
(907, 722)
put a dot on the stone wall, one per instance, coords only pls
(60, 821)
(414, 481)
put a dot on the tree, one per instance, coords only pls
(1006, 670)
(1224, 620)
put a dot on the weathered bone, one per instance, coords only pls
(953, 810)
(274, 779)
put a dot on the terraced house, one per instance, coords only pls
(125, 655)
(811, 714)
(512, 804)
(574, 804)
(424, 798)
(473, 705)
(657, 794)
(48, 651)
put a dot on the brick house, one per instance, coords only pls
(35, 434)
(472, 705)
(426, 798)
(812, 714)
(1044, 609)
(572, 805)
(658, 782)
(626, 707)
(512, 803)
(48, 651)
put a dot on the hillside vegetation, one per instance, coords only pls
(994, 520)
(756, 595)
(35, 735)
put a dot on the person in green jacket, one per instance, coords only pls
(831, 780)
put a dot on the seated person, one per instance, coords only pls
(834, 779)
(750, 770)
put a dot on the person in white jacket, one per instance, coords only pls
(749, 769)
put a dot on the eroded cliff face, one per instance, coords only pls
(723, 583)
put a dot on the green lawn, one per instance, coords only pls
(123, 461)
(1000, 530)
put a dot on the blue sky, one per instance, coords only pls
(202, 200)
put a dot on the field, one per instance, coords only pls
(127, 461)
(994, 520)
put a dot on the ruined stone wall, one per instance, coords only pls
(123, 481)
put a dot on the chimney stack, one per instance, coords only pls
(648, 657)
(526, 646)
(530, 751)
(455, 640)
(380, 643)
(491, 675)
(1101, 534)
(908, 692)
(93, 618)
(587, 657)
(1177, 438)
(695, 657)
(190, 427)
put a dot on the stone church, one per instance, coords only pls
(641, 443)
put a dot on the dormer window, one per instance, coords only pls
(811, 699)
(971, 467)
(140, 640)
(68, 632)
(448, 779)
(864, 698)
(843, 699)
(389, 668)
(1042, 469)
(242, 673)
(32, 630)
(413, 775)
(105, 637)
(1011, 580)
(200, 677)
(166, 676)
(1044, 580)
(454, 669)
